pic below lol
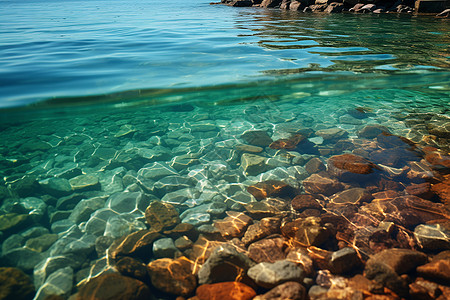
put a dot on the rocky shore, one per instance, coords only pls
(439, 7)
(307, 200)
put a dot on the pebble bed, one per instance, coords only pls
(323, 196)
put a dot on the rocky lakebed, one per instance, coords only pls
(317, 199)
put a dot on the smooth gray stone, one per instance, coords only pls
(35, 207)
(180, 196)
(155, 171)
(34, 232)
(118, 226)
(62, 225)
(81, 247)
(111, 180)
(59, 283)
(224, 264)
(85, 208)
(22, 258)
(13, 242)
(102, 243)
(48, 266)
(172, 183)
(196, 218)
(97, 222)
(164, 247)
(55, 186)
(128, 202)
(269, 275)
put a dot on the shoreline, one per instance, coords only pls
(440, 9)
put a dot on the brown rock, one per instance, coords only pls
(114, 286)
(225, 290)
(266, 227)
(422, 190)
(201, 250)
(354, 196)
(442, 189)
(301, 257)
(269, 249)
(271, 188)
(161, 216)
(133, 268)
(347, 166)
(138, 244)
(302, 202)
(288, 144)
(261, 209)
(248, 148)
(289, 290)
(15, 285)
(321, 184)
(436, 270)
(173, 276)
(234, 225)
(401, 261)
(311, 232)
(314, 165)
(182, 229)
(257, 138)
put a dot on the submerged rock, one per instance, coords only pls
(15, 284)
(225, 290)
(269, 275)
(115, 286)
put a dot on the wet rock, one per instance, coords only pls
(386, 267)
(289, 290)
(372, 131)
(321, 184)
(336, 7)
(128, 202)
(173, 276)
(26, 186)
(262, 209)
(422, 190)
(271, 188)
(161, 216)
(269, 249)
(225, 290)
(301, 257)
(178, 197)
(85, 182)
(41, 243)
(350, 167)
(133, 268)
(422, 6)
(331, 134)
(269, 275)
(252, 164)
(55, 186)
(355, 196)
(248, 148)
(432, 237)
(183, 229)
(307, 204)
(121, 225)
(314, 165)
(138, 244)
(257, 138)
(164, 247)
(172, 183)
(442, 189)
(13, 221)
(58, 283)
(264, 228)
(288, 144)
(97, 222)
(183, 243)
(234, 225)
(115, 286)
(102, 243)
(438, 269)
(22, 258)
(155, 171)
(15, 284)
(85, 208)
(49, 266)
(125, 130)
(12, 242)
(270, 3)
(311, 232)
(225, 264)
(344, 260)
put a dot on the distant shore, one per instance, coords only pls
(439, 8)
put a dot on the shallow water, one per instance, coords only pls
(116, 92)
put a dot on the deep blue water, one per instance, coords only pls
(56, 49)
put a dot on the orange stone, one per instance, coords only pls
(270, 188)
(288, 144)
(352, 163)
(225, 291)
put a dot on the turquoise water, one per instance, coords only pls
(109, 105)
